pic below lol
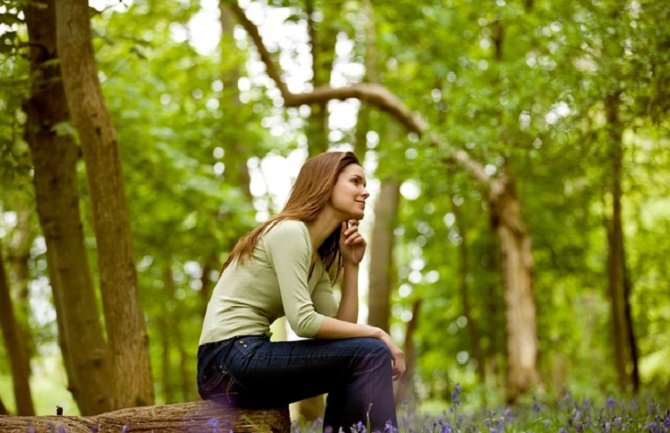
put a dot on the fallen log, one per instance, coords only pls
(194, 417)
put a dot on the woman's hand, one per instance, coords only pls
(352, 244)
(397, 355)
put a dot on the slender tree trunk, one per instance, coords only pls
(464, 273)
(237, 154)
(403, 389)
(126, 329)
(620, 286)
(15, 347)
(19, 256)
(381, 254)
(54, 161)
(3, 408)
(166, 368)
(322, 46)
(515, 244)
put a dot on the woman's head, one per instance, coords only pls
(311, 193)
(314, 186)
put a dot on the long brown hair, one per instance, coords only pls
(309, 195)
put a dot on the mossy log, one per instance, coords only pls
(194, 417)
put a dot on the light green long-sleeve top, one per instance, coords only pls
(271, 283)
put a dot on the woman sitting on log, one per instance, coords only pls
(285, 267)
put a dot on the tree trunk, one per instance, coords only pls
(183, 376)
(620, 286)
(381, 254)
(3, 409)
(464, 274)
(126, 329)
(194, 417)
(19, 257)
(515, 244)
(15, 347)
(403, 390)
(322, 45)
(54, 161)
(166, 368)
(237, 153)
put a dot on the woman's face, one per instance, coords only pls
(349, 193)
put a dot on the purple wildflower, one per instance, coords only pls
(61, 429)
(652, 427)
(536, 406)
(610, 403)
(389, 428)
(125, 429)
(30, 429)
(456, 395)
(562, 430)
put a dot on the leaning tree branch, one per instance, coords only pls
(374, 94)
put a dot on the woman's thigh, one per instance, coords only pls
(271, 373)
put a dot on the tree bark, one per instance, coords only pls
(515, 244)
(403, 390)
(19, 257)
(3, 409)
(236, 152)
(15, 347)
(322, 46)
(381, 254)
(126, 329)
(54, 160)
(194, 417)
(464, 276)
(620, 286)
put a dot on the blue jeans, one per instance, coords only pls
(252, 371)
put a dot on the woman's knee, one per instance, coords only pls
(374, 350)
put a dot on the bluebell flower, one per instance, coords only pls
(610, 403)
(455, 396)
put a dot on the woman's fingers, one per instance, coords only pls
(350, 232)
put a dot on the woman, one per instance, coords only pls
(284, 267)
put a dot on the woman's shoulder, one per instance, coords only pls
(287, 229)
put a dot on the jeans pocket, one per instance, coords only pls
(216, 383)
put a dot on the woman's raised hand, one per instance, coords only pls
(352, 244)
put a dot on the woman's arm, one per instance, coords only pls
(337, 329)
(348, 310)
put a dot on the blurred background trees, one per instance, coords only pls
(518, 155)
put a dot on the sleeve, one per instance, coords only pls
(324, 300)
(288, 251)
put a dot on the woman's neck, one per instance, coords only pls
(322, 227)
